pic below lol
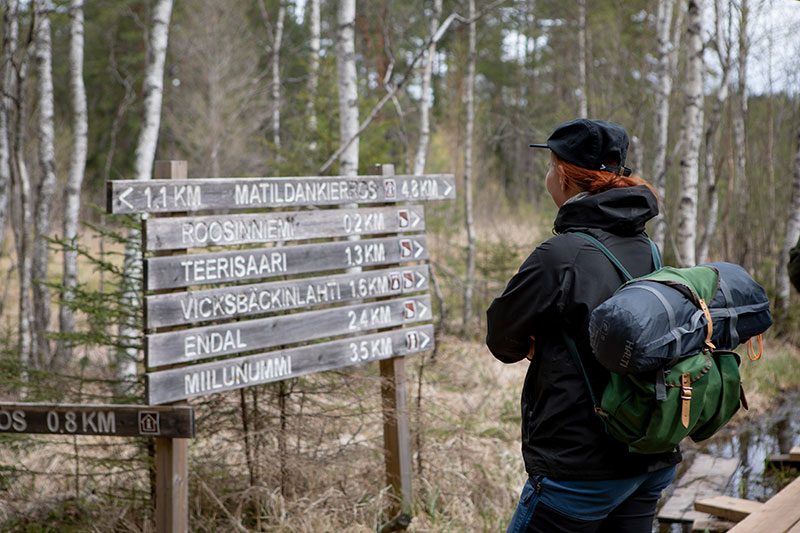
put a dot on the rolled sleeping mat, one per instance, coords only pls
(647, 325)
(644, 326)
(740, 309)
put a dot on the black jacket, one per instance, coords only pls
(558, 286)
(794, 265)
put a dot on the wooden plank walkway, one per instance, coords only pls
(712, 524)
(728, 507)
(706, 477)
(780, 514)
(785, 459)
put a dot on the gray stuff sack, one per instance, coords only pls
(648, 325)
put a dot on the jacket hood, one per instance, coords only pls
(623, 211)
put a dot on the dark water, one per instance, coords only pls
(751, 443)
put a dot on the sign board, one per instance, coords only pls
(173, 271)
(85, 419)
(278, 226)
(239, 301)
(170, 196)
(231, 374)
(214, 315)
(212, 337)
(187, 345)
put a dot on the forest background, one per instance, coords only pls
(707, 89)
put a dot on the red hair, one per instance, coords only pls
(594, 181)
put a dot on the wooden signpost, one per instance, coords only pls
(239, 301)
(176, 271)
(100, 419)
(211, 315)
(167, 196)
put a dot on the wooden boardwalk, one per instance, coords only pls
(780, 514)
(706, 477)
(699, 500)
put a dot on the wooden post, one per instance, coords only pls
(172, 466)
(172, 486)
(397, 449)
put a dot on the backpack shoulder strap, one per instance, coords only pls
(603, 248)
(656, 255)
(570, 343)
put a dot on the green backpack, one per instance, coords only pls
(695, 396)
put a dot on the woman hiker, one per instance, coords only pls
(579, 478)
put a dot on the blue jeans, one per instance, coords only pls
(611, 505)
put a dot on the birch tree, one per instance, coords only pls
(691, 133)
(739, 135)
(664, 71)
(313, 72)
(583, 93)
(792, 234)
(275, 64)
(348, 86)
(47, 183)
(127, 356)
(723, 50)
(441, 30)
(77, 165)
(421, 155)
(6, 73)
(21, 180)
(470, 125)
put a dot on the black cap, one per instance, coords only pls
(590, 144)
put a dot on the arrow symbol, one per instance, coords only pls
(420, 279)
(448, 189)
(422, 309)
(415, 220)
(124, 194)
(419, 249)
(425, 340)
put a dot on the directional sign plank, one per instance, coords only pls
(221, 267)
(194, 344)
(230, 374)
(167, 196)
(172, 309)
(223, 230)
(85, 419)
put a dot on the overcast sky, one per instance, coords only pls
(775, 35)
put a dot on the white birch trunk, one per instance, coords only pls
(313, 73)
(740, 138)
(6, 88)
(348, 87)
(389, 94)
(22, 226)
(691, 134)
(421, 155)
(129, 332)
(47, 184)
(712, 200)
(470, 101)
(276, 79)
(77, 165)
(792, 234)
(583, 96)
(663, 91)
